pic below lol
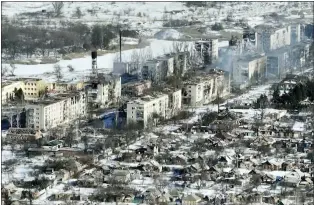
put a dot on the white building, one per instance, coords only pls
(164, 105)
(167, 62)
(32, 88)
(152, 70)
(105, 90)
(180, 63)
(141, 110)
(136, 88)
(270, 38)
(7, 90)
(295, 34)
(277, 63)
(204, 89)
(120, 68)
(248, 68)
(56, 110)
(175, 102)
(207, 50)
(158, 69)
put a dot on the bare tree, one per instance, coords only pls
(58, 6)
(148, 54)
(70, 67)
(13, 68)
(4, 70)
(69, 135)
(194, 60)
(179, 47)
(78, 13)
(57, 71)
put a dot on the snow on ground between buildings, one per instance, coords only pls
(168, 34)
(7, 155)
(157, 47)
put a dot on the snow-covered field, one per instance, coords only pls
(147, 16)
(168, 34)
(82, 66)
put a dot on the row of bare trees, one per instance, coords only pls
(28, 40)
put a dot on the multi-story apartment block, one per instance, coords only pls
(104, 90)
(33, 88)
(165, 105)
(175, 101)
(152, 70)
(249, 39)
(180, 63)
(167, 65)
(203, 89)
(142, 110)
(248, 68)
(158, 69)
(135, 88)
(277, 63)
(207, 50)
(63, 86)
(295, 34)
(270, 38)
(299, 54)
(54, 111)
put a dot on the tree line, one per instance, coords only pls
(294, 96)
(69, 37)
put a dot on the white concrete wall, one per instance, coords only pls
(147, 108)
(55, 112)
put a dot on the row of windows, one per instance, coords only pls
(31, 93)
(30, 89)
(30, 84)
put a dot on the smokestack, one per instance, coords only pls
(94, 62)
(120, 36)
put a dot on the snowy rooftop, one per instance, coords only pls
(298, 127)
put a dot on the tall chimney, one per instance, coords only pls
(120, 38)
(94, 62)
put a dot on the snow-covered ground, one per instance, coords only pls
(82, 66)
(20, 170)
(168, 34)
(148, 16)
